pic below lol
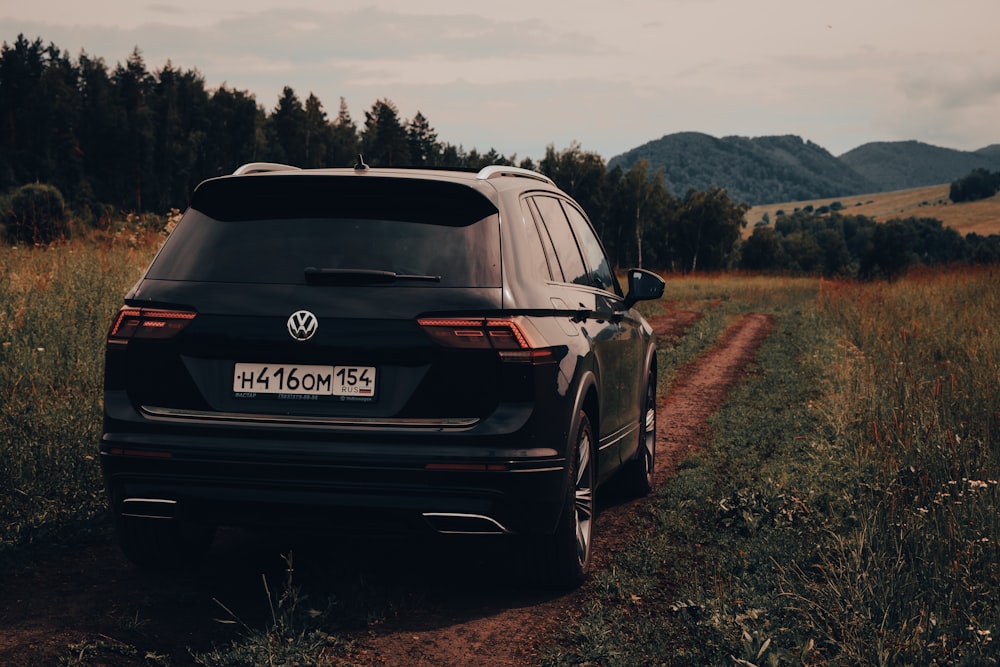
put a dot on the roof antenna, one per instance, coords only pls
(360, 166)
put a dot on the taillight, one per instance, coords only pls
(509, 336)
(148, 323)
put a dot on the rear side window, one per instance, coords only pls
(537, 257)
(567, 252)
(601, 275)
(275, 230)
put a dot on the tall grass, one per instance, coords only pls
(697, 584)
(913, 399)
(845, 511)
(55, 306)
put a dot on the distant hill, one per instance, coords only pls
(786, 168)
(901, 165)
(991, 152)
(761, 170)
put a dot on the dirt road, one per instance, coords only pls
(425, 603)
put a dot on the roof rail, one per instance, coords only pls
(258, 167)
(496, 171)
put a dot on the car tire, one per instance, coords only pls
(562, 560)
(163, 544)
(638, 473)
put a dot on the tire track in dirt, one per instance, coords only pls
(510, 636)
(447, 606)
(700, 389)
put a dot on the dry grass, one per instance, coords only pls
(846, 509)
(981, 217)
(56, 303)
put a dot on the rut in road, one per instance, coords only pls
(508, 635)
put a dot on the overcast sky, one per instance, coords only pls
(519, 75)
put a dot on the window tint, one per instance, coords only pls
(277, 251)
(597, 262)
(567, 252)
(537, 258)
(270, 229)
(283, 196)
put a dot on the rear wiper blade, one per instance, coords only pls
(320, 276)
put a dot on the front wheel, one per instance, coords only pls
(562, 560)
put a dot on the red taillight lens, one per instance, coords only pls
(476, 333)
(511, 337)
(148, 323)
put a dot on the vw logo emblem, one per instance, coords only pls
(302, 325)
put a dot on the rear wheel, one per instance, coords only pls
(163, 543)
(562, 560)
(638, 473)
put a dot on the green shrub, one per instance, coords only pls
(37, 214)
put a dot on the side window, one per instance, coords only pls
(538, 257)
(563, 240)
(597, 262)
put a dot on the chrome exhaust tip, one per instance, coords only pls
(149, 508)
(451, 523)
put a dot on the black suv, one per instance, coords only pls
(440, 350)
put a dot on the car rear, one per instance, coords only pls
(330, 347)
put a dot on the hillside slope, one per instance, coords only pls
(991, 152)
(902, 165)
(981, 217)
(773, 169)
(760, 170)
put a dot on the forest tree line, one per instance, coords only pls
(835, 244)
(124, 139)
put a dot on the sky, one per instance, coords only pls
(520, 75)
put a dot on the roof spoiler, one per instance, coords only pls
(496, 171)
(260, 167)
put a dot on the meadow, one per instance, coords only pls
(981, 217)
(56, 304)
(845, 510)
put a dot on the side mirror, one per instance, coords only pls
(643, 285)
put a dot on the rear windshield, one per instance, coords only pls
(323, 230)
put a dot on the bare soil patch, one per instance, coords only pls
(447, 603)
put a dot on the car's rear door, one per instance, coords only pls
(596, 307)
(305, 297)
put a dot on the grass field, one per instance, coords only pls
(981, 217)
(56, 305)
(845, 511)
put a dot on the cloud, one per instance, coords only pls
(374, 34)
(946, 102)
(524, 74)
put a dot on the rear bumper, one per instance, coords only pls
(394, 484)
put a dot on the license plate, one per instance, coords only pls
(304, 381)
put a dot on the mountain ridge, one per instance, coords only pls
(777, 168)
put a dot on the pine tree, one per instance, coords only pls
(423, 143)
(344, 142)
(133, 84)
(384, 141)
(287, 125)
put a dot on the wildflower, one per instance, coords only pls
(977, 484)
(984, 635)
(40, 349)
